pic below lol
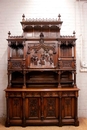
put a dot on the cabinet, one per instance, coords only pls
(42, 86)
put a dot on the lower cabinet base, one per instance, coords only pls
(41, 123)
(43, 107)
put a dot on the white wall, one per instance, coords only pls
(71, 14)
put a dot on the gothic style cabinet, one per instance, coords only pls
(41, 75)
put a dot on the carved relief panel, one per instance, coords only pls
(32, 109)
(40, 55)
(66, 64)
(51, 108)
(15, 64)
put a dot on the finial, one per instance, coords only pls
(74, 33)
(23, 16)
(9, 33)
(59, 17)
(41, 35)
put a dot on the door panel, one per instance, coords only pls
(68, 108)
(51, 108)
(32, 109)
(15, 108)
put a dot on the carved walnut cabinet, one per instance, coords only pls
(41, 75)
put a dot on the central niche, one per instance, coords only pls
(41, 58)
(41, 55)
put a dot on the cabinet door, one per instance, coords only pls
(15, 108)
(68, 108)
(51, 108)
(66, 50)
(32, 108)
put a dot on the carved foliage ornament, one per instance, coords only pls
(16, 45)
(34, 107)
(16, 64)
(51, 107)
(67, 44)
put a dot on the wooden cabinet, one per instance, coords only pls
(42, 86)
(42, 107)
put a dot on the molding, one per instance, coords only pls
(83, 62)
(83, 70)
(83, 66)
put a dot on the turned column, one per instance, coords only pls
(7, 124)
(74, 78)
(24, 73)
(60, 108)
(9, 78)
(23, 112)
(76, 107)
(59, 81)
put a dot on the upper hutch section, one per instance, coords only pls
(49, 27)
(41, 45)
